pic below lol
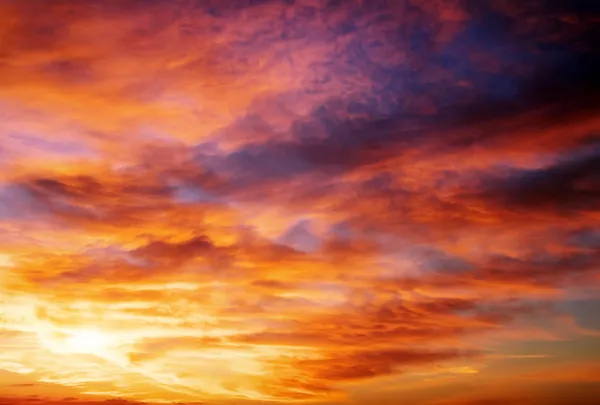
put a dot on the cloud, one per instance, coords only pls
(370, 364)
(565, 187)
(294, 200)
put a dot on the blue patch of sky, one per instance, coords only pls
(585, 238)
(28, 143)
(584, 311)
(187, 194)
(15, 203)
(300, 237)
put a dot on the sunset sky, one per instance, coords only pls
(336, 202)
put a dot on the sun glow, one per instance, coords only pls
(87, 341)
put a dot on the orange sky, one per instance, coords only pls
(312, 201)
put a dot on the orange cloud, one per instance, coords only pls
(295, 201)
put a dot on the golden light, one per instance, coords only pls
(87, 341)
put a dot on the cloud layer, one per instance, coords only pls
(298, 200)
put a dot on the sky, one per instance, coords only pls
(260, 202)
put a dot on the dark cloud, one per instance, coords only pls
(507, 77)
(567, 187)
(368, 364)
(178, 251)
